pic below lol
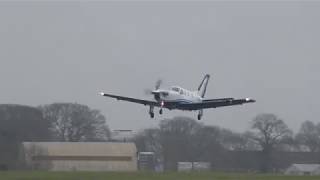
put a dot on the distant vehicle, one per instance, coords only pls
(182, 99)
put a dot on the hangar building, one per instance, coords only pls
(303, 169)
(79, 156)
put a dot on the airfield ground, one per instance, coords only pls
(145, 176)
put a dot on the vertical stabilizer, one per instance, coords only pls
(203, 86)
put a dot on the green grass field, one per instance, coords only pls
(146, 176)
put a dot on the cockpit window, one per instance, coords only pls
(176, 89)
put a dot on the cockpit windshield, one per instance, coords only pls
(176, 89)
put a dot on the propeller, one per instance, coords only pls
(157, 86)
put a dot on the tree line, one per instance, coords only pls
(269, 144)
(53, 122)
(174, 140)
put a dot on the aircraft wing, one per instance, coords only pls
(134, 100)
(214, 103)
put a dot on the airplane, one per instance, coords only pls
(182, 99)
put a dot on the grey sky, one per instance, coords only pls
(68, 52)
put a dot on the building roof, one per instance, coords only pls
(83, 148)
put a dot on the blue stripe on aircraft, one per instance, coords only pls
(181, 101)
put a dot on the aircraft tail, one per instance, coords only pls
(203, 86)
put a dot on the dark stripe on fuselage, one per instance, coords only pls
(174, 104)
(179, 101)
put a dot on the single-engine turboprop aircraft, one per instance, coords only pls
(182, 99)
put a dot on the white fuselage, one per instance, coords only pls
(178, 94)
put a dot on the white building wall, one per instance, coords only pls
(303, 169)
(93, 166)
(82, 156)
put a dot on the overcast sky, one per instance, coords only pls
(68, 52)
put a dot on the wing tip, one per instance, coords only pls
(250, 100)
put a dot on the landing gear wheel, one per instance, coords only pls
(151, 112)
(200, 114)
(160, 111)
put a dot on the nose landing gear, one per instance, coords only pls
(162, 104)
(151, 110)
(200, 114)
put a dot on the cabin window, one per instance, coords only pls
(176, 89)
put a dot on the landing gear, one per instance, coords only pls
(200, 114)
(162, 104)
(151, 113)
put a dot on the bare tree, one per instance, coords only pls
(238, 141)
(207, 144)
(176, 140)
(149, 140)
(309, 136)
(184, 139)
(75, 122)
(269, 130)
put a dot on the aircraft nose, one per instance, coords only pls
(155, 92)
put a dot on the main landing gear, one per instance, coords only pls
(200, 114)
(151, 113)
